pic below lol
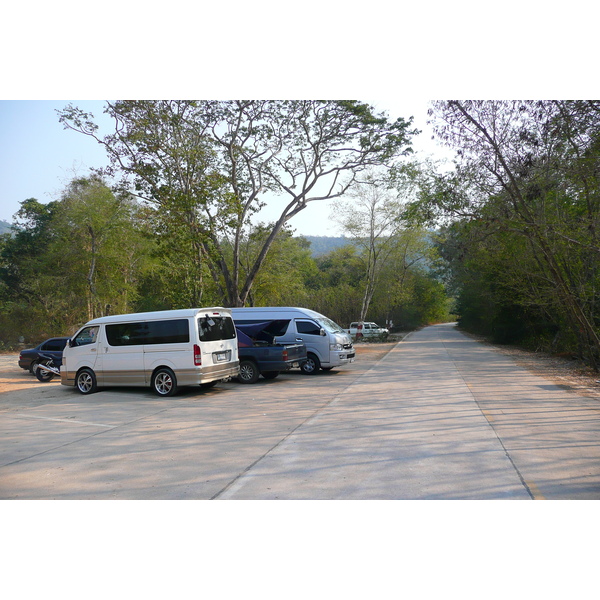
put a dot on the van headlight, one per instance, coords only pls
(336, 347)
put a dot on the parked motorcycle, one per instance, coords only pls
(46, 368)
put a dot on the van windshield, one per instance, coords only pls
(329, 325)
(212, 329)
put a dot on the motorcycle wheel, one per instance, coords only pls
(43, 375)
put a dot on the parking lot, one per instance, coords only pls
(125, 443)
(437, 416)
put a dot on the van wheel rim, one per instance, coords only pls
(84, 383)
(163, 383)
(310, 365)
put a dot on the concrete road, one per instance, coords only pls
(439, 417)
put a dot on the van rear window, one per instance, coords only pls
(172, 331)
(212, 329)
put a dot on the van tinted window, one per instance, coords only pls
(274, 327)
(211, 329)
(168, 332)
(308, 327)
(147, 333)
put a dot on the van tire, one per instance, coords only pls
(164, 382)
(85, 381)
(249, 372)
(312, 365)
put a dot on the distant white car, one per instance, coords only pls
(368, 329)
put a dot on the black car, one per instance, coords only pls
(53, 347)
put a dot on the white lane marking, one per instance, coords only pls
(65, 421)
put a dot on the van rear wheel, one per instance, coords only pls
(164, 382)
(312, 365)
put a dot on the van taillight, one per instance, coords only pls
(197, 355)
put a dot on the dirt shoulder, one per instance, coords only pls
(567, 373)
(12, 377)
(374, 351)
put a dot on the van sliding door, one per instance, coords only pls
(122, 354)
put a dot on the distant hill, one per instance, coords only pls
(322, 244)
(5, 227)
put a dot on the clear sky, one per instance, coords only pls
(38, 157)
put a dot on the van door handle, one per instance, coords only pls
(299, 339)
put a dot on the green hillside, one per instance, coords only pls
(321, 244)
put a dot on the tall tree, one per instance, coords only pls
(99, 248)
(212, 165)
(373, 221)
(21, 252)
(287, 267)
(71, 260)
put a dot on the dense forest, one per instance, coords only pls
(518, 220)
(92, 253)
(505, 238)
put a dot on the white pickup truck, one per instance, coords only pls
(366, 329)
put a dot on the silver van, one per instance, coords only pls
(327, 344)
(162, 349)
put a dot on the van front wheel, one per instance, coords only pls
(311, 366)
(164, 382)
(85, 381)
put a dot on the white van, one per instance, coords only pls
(163, 350)
(327, 344)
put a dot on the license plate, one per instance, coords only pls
(221, 356)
